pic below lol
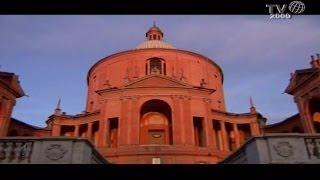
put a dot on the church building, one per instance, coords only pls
(158, 104)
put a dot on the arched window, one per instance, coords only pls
(156, 66)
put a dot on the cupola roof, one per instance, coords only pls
(154, 39)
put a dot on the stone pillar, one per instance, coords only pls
(208, 124)
(89, 131)
(305, 117)
(225, 140)
(103, 125)
(76, 131)
(148, 68)
(135, 121)
(214, 136)
(236, 135)
(123, 121)
(187, 123)
(128, 120)
(255, 129)
(56, 129)
(5, 115)
(162, 67)
(176, 120)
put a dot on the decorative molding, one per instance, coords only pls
(284, 149)
(206, 100)
(136, 97)
(180, 96)
(174, 96)
(55, 151)
(187, 97)
(313, 148)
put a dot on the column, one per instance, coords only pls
(225, 140)
(135, 121)
(236, 135)
(76, 131)
(2, 116)
(214, 136)
(123, 121)
(89, 131)
(103, 125)
(128, 120)
(187, 122)
(208, 125)
(56, 129)
(176, 120)
(254, 128)
(6, 108)
(162, 67)
(305, 117)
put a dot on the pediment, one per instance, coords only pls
(298, 78)
(156, 81)
(16, 86)
(11, 81)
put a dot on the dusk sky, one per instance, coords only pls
(52, 55)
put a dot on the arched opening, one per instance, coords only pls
(155, 123)
(315, 113)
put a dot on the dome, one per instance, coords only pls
(154, 44)
(154, 28)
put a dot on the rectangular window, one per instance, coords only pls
(231, 136)
(217, 134)
(67, 130)
(199, 134)
(112, 139)
(83, 128)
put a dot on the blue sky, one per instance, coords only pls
(52, 54)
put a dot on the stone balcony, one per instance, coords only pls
(288, 148)
(48, 150)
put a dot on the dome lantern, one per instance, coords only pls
(154, 33)
(154, 39)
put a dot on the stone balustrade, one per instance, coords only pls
(18, 151)
(50, 150)
(285, 148)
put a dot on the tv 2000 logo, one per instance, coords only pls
(296, 7)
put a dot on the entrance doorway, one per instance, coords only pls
(155, 123)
